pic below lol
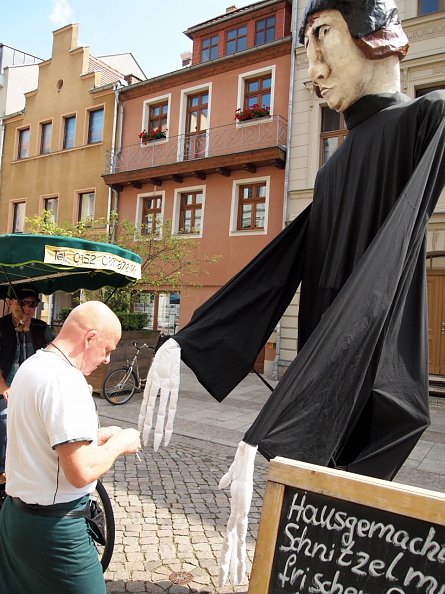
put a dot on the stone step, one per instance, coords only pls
(437, 385)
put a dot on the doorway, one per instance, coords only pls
(436, 321)
(196, 125)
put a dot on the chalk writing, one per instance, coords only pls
(330, 546)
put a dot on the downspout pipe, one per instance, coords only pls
(110, 206)
(294, 31)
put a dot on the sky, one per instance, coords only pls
(151, 30)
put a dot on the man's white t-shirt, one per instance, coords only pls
(49, 404)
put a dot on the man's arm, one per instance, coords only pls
(84, 463)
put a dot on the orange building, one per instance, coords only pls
(216, 173)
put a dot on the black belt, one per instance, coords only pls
(51, 511)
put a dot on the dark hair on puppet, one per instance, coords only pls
(374, 25)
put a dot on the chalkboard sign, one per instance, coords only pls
(324, 531)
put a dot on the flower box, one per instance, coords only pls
(253, 112)
(156, 134)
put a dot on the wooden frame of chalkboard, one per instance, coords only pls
(326, 531)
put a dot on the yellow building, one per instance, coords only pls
(53, 150)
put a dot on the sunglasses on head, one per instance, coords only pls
(28, 302)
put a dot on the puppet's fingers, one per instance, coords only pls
(226, 556)
(159, 429)
(171, 416)
(174, 392)
(153, 390)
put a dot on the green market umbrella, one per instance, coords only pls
(55, 263)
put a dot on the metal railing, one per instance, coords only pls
(223, 140)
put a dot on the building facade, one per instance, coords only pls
(212, 156)
(316, 132)
(54, 147)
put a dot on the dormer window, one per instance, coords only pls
(209, 48)
(236, 40)
(265, 30)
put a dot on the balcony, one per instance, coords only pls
(221, 150)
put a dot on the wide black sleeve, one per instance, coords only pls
(226, 333)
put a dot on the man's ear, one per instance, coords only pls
(89, 336)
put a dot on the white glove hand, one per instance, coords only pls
(240, 477)
(163, 375)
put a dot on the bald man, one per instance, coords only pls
(55, 455)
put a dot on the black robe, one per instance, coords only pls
(356, 395)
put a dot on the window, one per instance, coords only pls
(190, 212)
(86, 206)
(333, 133)
(265, 30)
(69, 127)
(157, 116)
(151, 215)
(424, 91)
(23, 145)
(257, 91)
(428, 6)
(18, 217)
(45, 138)
(251, 206)
(236, 40)
(51, 205)
(209, 48)
(95, 126)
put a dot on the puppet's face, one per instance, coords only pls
(340, 71)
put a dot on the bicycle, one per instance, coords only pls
(100, 501)
(120, 384)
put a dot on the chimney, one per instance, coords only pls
(186, 59)
(230, 9)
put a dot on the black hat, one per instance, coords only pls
(24, 291)
(362, 16)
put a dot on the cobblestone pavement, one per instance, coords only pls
(170, 515)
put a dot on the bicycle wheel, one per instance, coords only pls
(119, 385)
(102, 499)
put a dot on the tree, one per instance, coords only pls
(169, 262)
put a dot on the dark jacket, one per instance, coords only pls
(40, 333)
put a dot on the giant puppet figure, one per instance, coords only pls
(356, 395)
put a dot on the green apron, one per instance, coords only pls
(45, 555)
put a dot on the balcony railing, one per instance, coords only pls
(223, 140)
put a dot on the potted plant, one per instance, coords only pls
(155, 134)
(252, 112)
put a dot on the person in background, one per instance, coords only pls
(55, 455)
(21, 335)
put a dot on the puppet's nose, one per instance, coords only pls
(318, 71)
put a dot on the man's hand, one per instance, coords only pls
(104, 433)
(240, 479)
(163, 376)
